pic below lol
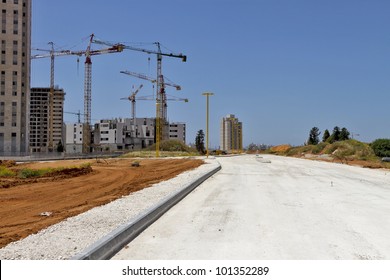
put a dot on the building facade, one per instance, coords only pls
(15, 76)
(119, 134)
(231, 134)
(73, 138)
(177, 131)
(39, 119)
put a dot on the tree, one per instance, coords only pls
(325, 136)
(335, 135)
(313, 136)
(381, 147)
(344, 134)
(60, 147)
(199, 142)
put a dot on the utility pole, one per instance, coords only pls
(207, 94)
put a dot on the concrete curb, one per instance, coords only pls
(109, 245)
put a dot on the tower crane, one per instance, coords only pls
(78, 115)
(164, 98)
(131, 98)
(52, 53)
(87, 82)
(88, 87)
(160, 91)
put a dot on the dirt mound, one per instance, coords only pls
(21, 206)
(56, 174)
(7, 163)
(280, 148)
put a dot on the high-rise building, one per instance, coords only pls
(231, 134)
(15, 76)
(39, 119)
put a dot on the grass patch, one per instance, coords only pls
(5, 172)
(152, 154)
(169, 148)
(344, 151)
(44, 172)
(28, 173)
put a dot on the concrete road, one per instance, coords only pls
(275, 208)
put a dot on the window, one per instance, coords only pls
(3, 21)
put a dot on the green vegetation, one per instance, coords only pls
(381, 147)
(314, 136)
(347, 151)
(5, 172)
(28, 172)
(168, 148)
(199, 142)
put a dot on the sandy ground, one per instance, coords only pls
(22, 205)
(275, 208)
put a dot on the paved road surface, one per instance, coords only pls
(284, 209)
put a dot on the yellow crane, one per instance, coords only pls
(161, 106)
(87, 84)
(160, 91)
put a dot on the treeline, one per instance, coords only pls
(337, 135)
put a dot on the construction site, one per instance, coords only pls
(32, 123)
(130, 134)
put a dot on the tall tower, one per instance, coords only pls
(15, 76)
(39, 118)
(231, 134)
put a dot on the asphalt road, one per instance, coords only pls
(275, 208)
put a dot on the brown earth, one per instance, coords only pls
(23, 205)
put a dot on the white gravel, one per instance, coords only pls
(72, 236)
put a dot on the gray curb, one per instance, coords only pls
(109, 245)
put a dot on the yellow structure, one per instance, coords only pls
(207, 94)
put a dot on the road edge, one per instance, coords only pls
(112, 243)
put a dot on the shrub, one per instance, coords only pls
(172, 146)
(27, 173)
(5, 172)
(381, 147)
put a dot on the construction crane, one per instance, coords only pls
(88, 87)
(160, 91)
(87, 82)
(52, 53)
(163, 102)
(131, 98)
(78, 115)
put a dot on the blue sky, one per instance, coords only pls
(281, 66)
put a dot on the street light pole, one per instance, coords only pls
(207, 94)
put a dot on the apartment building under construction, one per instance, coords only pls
(39, 118)
(231, 134)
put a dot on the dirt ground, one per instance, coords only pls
(23, 206)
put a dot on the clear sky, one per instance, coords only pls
(281, 66)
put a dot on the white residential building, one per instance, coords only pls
(177, 131)
(73, 141)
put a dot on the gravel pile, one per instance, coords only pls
(75, 234)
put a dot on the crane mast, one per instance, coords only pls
(52, 54)
(51, 95)
(161, 109)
